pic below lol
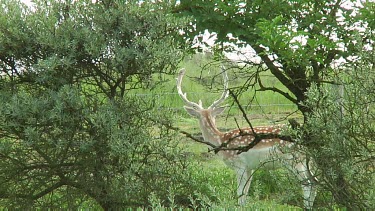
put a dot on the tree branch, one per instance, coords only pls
(188, 135)
(277, 73)
(274, 89)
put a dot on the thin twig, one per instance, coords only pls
(242, 110)
(188, 135)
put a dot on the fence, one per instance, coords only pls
(273, 108)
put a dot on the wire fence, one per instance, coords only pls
(274, 108)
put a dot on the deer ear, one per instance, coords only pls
(218, 110)
(191, 111)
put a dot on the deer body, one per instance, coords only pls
(261, 155)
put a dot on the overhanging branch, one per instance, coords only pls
(188, 135)
(274, 89)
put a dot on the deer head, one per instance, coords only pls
(206, 116)
(196, 109)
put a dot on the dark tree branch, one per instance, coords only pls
(48, 190)
(274, 89)
(188, 135)
(277, 72)
(35, 196)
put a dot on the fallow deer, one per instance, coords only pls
(261, 155)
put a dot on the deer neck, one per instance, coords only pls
(209, 130)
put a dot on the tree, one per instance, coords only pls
(71, 133)
(298, 42)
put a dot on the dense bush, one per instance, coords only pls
(71, 135)
(342, 127)
(58, 147)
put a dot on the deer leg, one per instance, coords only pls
(309, 193)
(308, 186)
(244, 177)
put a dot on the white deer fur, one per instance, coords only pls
(264, 154)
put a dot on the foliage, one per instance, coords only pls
(71, 136)
(57, 139)
(297, 41)
(300, 44)
(119, 44)
(342, 130)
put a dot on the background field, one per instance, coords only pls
(205, 83)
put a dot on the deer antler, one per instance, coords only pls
(225, 93)
(183, 95)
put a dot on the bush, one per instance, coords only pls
(59, 146)
(341, 130)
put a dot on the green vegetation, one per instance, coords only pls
(70, 136)
(298, 42)
(88, 95)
